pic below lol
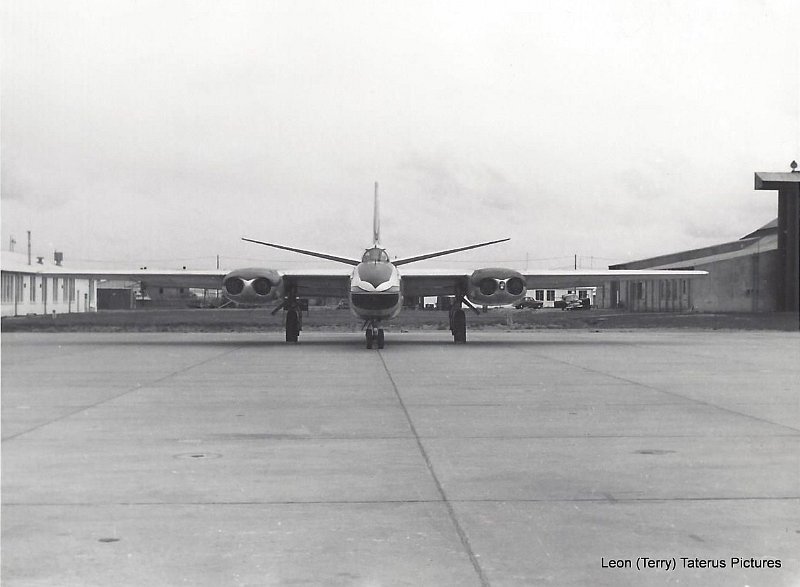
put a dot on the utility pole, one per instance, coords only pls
(526, 261)
(217, 261)
(29, 247)
(575, 264)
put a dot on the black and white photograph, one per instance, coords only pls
(424, 293)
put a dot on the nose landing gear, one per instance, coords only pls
(373, 334)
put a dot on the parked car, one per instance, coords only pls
(529, 303)
(573, 302)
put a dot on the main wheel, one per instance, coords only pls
(380, 338)
(369, 337)
(292, 326)
(459, 326)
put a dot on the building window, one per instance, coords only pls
(8, 287)
(539, 295)
(71, 288)
(583, 294)
(32, 286)
(55, 289)
(640, 290)
(551, 295)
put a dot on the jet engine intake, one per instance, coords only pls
(496, 285)
(253, 286)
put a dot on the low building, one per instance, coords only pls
(117, 295)
(167, 297)
(551, 298)
(43, 288)
(742, 277)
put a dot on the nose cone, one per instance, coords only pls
(374, 273)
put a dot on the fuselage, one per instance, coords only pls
(375, 292)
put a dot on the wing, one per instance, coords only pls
(322, 283)
(199, 279)
(327, 282)
(595, 277)
(433, 282)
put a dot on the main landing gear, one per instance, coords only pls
(374, 334)
(293, 325)
(294, 316)
(458, 325)
(458, 321)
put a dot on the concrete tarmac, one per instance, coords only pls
(521, 458)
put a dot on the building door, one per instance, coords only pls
(614, 294)
(683, 294)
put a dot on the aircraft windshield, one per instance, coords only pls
(375, 255)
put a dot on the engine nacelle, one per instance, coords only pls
(496, 285)
(253, 286)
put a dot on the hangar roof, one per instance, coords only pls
(770, 227)
(753, 246)
(759, 241)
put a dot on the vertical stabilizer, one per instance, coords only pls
(376, 221)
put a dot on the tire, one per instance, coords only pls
(292, 326)
(459, 327)
(369, 337)
(381, 339)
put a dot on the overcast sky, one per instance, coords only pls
(160, 132)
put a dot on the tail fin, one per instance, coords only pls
(376, 220)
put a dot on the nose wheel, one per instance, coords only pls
(374, 336)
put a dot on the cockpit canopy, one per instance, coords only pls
(375, 255)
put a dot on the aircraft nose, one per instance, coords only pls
(375, 273)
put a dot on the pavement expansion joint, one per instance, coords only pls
(462, 535)
(131, 389)
(604, 498)
(671, 393)
(597, 436)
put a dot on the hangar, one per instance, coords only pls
(760, 272)
(741, 278)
